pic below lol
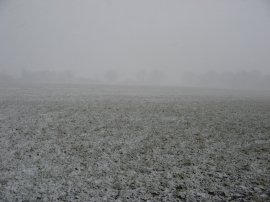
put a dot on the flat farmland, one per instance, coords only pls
(101, 143)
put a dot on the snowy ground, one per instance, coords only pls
(82, 143)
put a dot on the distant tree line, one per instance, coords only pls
(230, 80)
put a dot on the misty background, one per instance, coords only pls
(210, 43)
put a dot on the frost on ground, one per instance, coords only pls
(74, 143)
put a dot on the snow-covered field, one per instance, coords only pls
(90, 143)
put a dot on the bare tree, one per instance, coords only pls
(111, 76)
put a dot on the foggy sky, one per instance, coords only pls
(173, 36)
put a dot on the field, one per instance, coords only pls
(98, 143)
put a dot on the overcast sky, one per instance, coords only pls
(91, 36)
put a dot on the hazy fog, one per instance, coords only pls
(212, 43)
